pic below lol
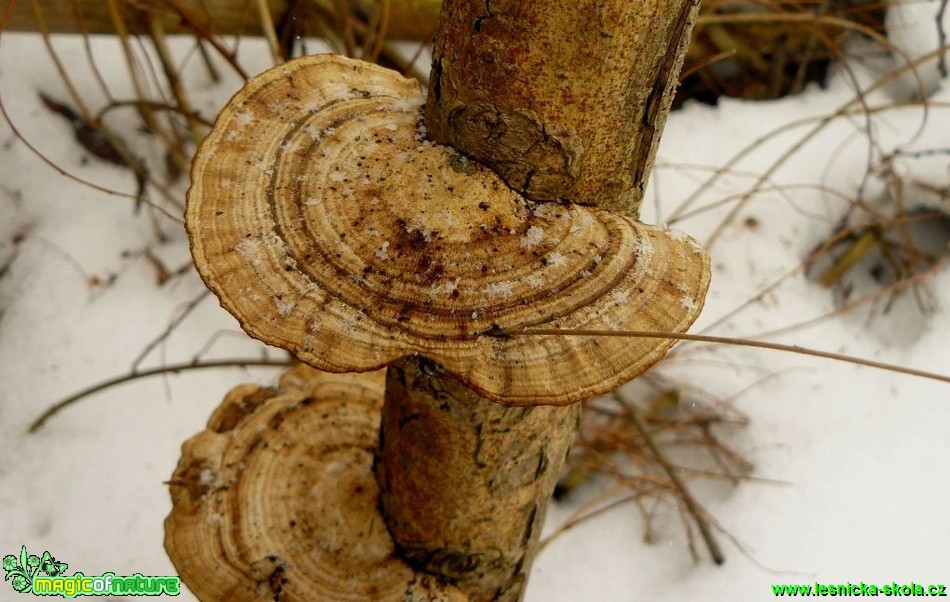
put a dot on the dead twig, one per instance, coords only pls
(186, 310)
(942, 39)
(697, 514)
(59, 406)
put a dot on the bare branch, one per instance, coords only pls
(59, 406)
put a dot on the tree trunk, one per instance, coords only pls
(565, 99)
(465, 482)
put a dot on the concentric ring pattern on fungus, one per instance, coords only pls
(328, 225)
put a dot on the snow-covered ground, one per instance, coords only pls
(853, 462)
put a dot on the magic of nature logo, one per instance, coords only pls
(45, 576)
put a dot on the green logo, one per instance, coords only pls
(44, 576)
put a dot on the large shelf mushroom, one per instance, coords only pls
(324, 220)
(328, 225)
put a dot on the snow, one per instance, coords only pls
(851, 463)
(912, 26)
(555, 259)
(532, 238)
(619, 296)
(250, 250)
(243, 119)
(445, 288)
(495, 289)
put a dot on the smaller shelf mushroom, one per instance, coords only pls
(290, 470)
(324, 220)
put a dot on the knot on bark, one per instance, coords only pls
(540, 161)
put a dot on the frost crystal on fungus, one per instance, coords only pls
(243, 119)
(556, 260)
(250, 250)
(532, 238)
(206, 477)
(495, 289)
(284, 307)
(582, 223)
(677, 235)
(446, 288)
(643, 248)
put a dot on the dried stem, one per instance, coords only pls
(59, 406)
(182, 315)
(380, 32)
(820, 123)
(840, 357)
(267, 26)
(175, 147)
(692, 506)
(345, 20)
(942, 39)
(188, 21)
(122, 33)
(589, 510)
(44, 32)
(75, 178)
(213, 73)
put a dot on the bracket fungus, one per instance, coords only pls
(329, 226)
(327, 223)
(261, 512)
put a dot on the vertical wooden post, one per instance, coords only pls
(565, 99)
(465, 482)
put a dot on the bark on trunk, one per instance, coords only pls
(464, 482)
(565, 99)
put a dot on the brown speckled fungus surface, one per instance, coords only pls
(326, 222)
(276, 500)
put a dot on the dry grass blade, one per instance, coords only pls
(840, 357)
(267, 26)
